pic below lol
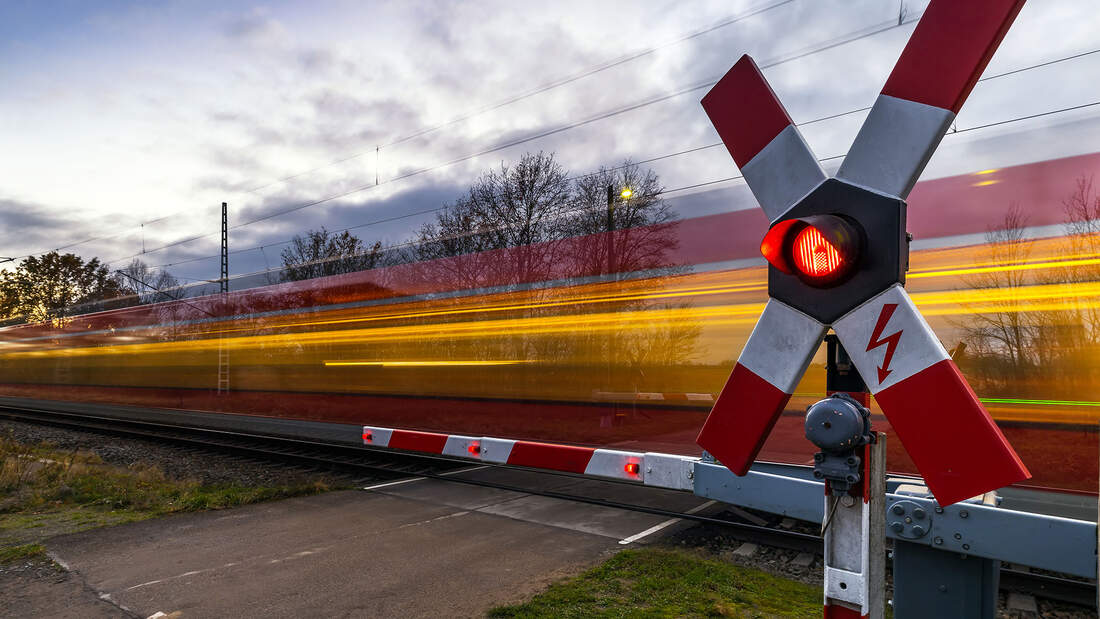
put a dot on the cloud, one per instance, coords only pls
(28, 227)
(256, 27)
(264, 94)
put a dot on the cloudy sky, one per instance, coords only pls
(124, 125)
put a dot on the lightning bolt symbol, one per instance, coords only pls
(891, 341)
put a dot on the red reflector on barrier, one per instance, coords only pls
(367, 437)
(632, 468)
(474, 448)
(814, 255)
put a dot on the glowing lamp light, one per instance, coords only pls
(474, 449)
(626, 193)
(367, 437)
(632, 468)
(821, 250)
(814, 255)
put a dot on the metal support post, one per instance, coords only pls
(929, 581)
(852, 463)
(855, 541)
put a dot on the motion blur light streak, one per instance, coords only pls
(477, 344)
(414, 364)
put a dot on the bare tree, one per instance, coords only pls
(151, 285)
(639, 224)
(319, 253)
(519, 206)
(998, 336)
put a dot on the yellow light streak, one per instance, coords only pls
(989, 171)
(984, 183)
(426, 363)
(689, 291)
(509, 327)
(1047, 297)
(1030, 266)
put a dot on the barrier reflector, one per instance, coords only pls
(376, 437)
(765, 144)
(614, 463)
(949, 49)
(955, 470)
(943, 426)
(462, 446)
(774, 359)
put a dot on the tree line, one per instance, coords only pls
(531, 203)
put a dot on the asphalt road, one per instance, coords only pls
(421, 548)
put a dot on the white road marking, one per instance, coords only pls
(671, 521)
(394, 483)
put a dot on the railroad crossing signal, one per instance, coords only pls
(838, 251)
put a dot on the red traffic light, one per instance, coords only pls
(821, 250)
(814, 255)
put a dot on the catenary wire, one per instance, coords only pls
(838, 41)
(665, 192)
(558, 130)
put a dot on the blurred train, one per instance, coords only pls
(614, 339)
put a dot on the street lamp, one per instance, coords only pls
(625, 193)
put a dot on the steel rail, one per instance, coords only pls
(394, 463)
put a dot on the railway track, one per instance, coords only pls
(354, 460)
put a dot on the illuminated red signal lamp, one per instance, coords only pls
(821, 250)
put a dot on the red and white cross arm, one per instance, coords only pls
(778, 165)
(944, 58)
(767, 372)
(952, 439)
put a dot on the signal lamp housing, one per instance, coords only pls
(821, 250)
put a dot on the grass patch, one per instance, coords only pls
(45, 491)
(18, 553)
(657, 582)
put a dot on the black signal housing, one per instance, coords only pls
(865, 227)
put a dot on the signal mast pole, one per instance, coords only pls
(223, 352)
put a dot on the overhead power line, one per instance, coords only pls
(861, 34)
(546, 87)
(871, 31)
(633, 56)
(665, 192)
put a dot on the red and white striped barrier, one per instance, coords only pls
(936, 72)
(927, 400)
(652, 469)
(775, 160)
(774, 359)
(943, 426)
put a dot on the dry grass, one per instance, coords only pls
(45, 491)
